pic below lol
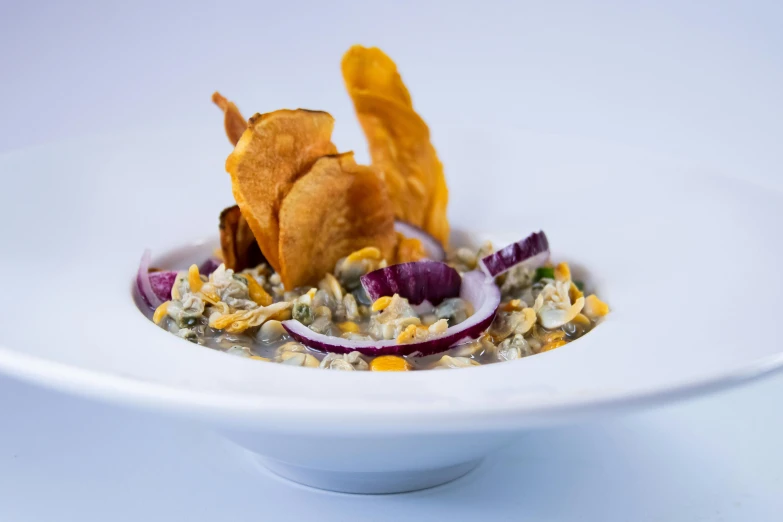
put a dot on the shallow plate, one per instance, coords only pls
(689, 265)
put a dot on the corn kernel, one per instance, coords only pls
(381, 303)
(194, 279)
(348, 326)
(562, 272)
(389, 363)
(581, 319)
(574, 293)
(554, 344)
(175, 290)
(364, 253)
(256, 291)
(514, 305)
(407, 335)
(595, 308)
(160, 312)
(552, 336)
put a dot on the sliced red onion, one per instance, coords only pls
(432, 246)
(154, 287)
(478, 289)
(162, 282)
(209, 266)
(533, 251)
(416, 281)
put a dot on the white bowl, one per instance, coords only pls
(689, 265)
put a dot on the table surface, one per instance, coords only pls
(697, 82)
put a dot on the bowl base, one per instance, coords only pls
(369, 483)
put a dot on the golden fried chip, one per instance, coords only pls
(233, 121)
(274, 151)
(338, 207)
(399, 140)
(237, 243)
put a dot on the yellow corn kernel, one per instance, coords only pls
(348, 326)
(256, 291)
(562, 272)
(381, 303)
(581, 319)
(311, 293)
(515, 305)
(364, 253)
(574, 293)
(595, 308)
(554, 344)
(175, 290)
(194, 279)
(407, 335)
(389, 363)
(259, 358)
(160, 312)
(552, 336)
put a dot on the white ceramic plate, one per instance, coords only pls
(689, 265)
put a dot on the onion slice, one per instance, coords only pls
(478, 289)
(416, 281)
(209, 266)
(533, 251)
(432, 246)
(154, 287)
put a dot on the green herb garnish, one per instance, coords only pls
(544, 272)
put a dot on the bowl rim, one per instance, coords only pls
(295, 414)
(239, 410)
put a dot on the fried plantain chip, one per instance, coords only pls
(275, 150)
(399, 140)
(338, 207)
(238, 246)
(233, 121)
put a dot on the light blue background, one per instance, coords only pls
(696, 81)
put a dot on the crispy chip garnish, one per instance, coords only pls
(338, 207)
(399, 140)
(234, 122)
(274, 151)
(238, 246)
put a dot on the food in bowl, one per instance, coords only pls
(327, 263)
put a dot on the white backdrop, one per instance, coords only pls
(699, 81)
